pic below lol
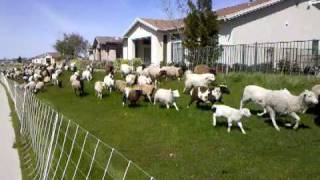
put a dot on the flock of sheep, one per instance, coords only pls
(144, 81)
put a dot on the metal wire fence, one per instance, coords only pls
(57, 148)
(294, 57)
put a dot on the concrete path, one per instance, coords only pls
(9, 159)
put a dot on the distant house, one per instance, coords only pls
(156, 40)
(106, 48)
(46, 58)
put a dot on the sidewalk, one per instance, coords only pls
(9, 159)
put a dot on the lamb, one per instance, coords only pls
(99, 87)
(131, 95)
(142, 80)
(203, 69)
(167, 97)
(109, 81)
(139, 70)
(173, 72)
(147, 90)
(39, 86)
(208, 95)
(86, 74)
(283, 102)
(194, 80)
(131, 79)
(120, 85)
(125, 69)
(232, 115)
(73, 67)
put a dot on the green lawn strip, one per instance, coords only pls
(184, 145)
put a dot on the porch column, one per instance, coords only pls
(156, 50)
(131, 49)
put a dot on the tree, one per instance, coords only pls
(72, 46)
(201, 32)
(201, 25)
(19, 59)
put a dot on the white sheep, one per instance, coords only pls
(131, 79)
(99, 87)
(154, 72)
(142, 80)
(109, 81)
(316, 90)
(173, 72)
(31, 86)
(125, 69)
(86, 74)
(147, 90)
(54, 79)
(194, 80)
(283, 102)
(231, 114)
(39, 86)
(167, 97)
(139, 70)
(74, 77)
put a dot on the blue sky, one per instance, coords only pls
(30, 27)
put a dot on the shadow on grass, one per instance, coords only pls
(284, 123)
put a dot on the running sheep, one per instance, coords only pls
(231, 114)
(125, 69)
(131, 96)
(173, 72)
(120, 85)
(167, 97)
(280, 102)
(86, 74)
(131, 79)
(194, 80)
(109, 81)
(147, 90)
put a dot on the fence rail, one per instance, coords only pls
(288, 57)
(58, 148)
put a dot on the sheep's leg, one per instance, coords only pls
(229, 125)
(273, 118)
(124, 100)
(149, 97)
(190, 102)
(297, 118)
(263, 113)
(167, 105)
(175, 105)
(240, 126)
(214, 119)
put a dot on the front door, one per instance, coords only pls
(147, 55)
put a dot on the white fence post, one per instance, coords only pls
(108, 163)
(125, 173)
(50, 148)
(23, 112)
(82, 148)
(94, 154)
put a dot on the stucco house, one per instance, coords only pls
(105, 48)
(46, 58)
(156, 40)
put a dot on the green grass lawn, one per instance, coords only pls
(184, 145)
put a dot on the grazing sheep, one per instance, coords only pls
(173, 72)
(125, 69)
(39, 87)
(204, 69)
(131, 95)
(232, 115)
(99, 87)
(194, 80)
(120, 85)
(167, 97)
(78, 86)
(109, 81)
(147, 90)
(131, 79)
(208, 95)
(86, 74)
(283, 102)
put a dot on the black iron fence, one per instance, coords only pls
(298, 57)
